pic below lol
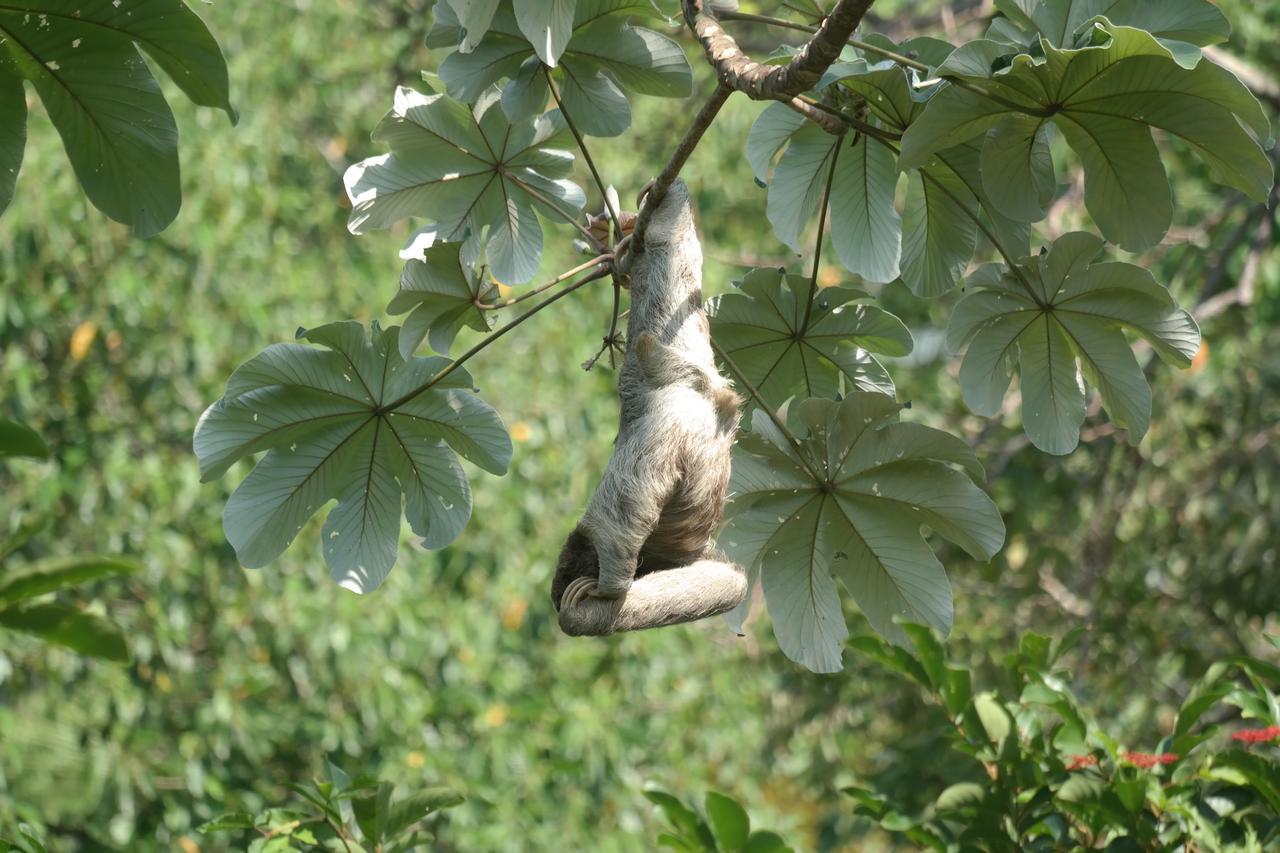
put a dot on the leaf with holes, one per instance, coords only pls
(355, 423)
(83, 60)
(784, 345)
(846, 503)
(441, 295)
(603, 55)
(1056, 310)
(471, 171)
(1104, 97)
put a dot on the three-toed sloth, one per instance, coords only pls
(643, 554)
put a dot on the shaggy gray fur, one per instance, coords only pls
(642, 556)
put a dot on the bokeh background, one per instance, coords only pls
(454, 672)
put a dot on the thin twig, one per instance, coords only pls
(764, 406)
(493, 306)
(586, 155)
(489, 339)
(611, 338)
(822, 221)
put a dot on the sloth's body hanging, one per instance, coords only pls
(643, 555)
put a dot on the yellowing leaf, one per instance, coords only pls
(81, 339)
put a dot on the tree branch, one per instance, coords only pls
(775, 82)
(658, 190)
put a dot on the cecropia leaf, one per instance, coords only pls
(356, 423)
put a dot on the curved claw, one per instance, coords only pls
(578, 590)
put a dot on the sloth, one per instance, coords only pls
(643, 554)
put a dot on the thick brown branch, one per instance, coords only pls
(775, 82)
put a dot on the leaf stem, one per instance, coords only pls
(554, 205)
(764, 406)
(822, 221)
(492, 336)
(586, 155)
(493, 306)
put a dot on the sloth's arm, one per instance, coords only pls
(626, 508)
(669, 597)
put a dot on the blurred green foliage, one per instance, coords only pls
(454, 672)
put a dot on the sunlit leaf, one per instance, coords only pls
(601, 56)
(471, 171)
(441, 294)
(764, 329)
(1104, 97)
(1197, 22)
(847, 503)
(1053, 312)
(356, 423)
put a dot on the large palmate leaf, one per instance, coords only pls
(472, 172)
(1053, 311)
(594, 51)
(865, 228)
(442, 295)
(1196, 22)
(763, 329)
(1104, 98)
(83, 60)
(355, 423)
(847, 504)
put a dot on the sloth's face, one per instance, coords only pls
(577, 560)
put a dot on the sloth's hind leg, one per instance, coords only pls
(668, 597)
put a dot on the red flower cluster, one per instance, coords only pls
(1252, 736)
(1080, 762)
(1146, 760)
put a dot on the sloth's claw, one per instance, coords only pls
(578, 590)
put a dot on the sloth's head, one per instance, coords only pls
(577, 560)
(674, 215)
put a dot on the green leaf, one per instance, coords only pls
(419, 806)
(1198, 22)
(994, 717)
(18, 439)
(604, 55)
(680, 816)
(593, 100)
(728, 819)
(1105, 98)
(27, 527)
(82, 632)
(961, 797)
(938, 236)
(473, 17)
(765, 841)
(441, 296)
(469, 170)
(847, 502)
(769, 132)
(798, 183)
(1017, 170)
(1053, 312)
(115, 125)
(59, 573)
(356, 423)
(865, 227)
(13, 126)
(547, 24)
(763, 329)
(228, 822)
